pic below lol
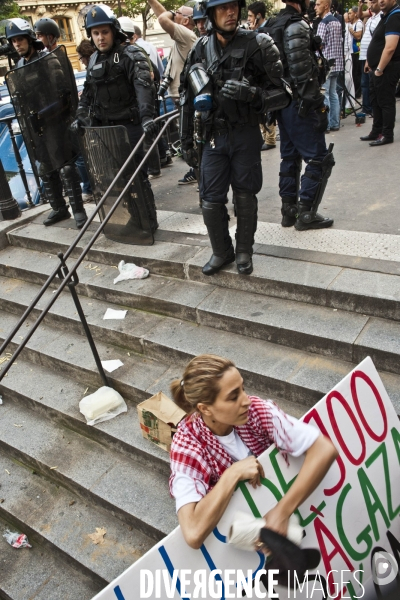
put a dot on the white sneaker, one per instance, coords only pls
(154, 176)
(87, 198)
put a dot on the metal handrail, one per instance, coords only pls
(69, 276)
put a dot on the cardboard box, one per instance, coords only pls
(158, 418)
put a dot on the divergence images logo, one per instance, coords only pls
(384, 568)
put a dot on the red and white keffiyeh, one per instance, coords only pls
(195, 451)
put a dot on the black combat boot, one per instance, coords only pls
(289, 211)
(307, 216)
(54, 193)
(310, 219)
(246, 209)
(150, 204)
(73, 189)
(216, 220)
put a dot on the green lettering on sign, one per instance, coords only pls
(285, 485)
(249, 498)
(369, 492)
(362, 537)
(396, 441)
(381, 450)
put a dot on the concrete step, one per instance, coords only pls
(62, 521)
(38, 574)
(136, 495)
(272, 370)
(321, 330)
(56, 396)
(354, 290)
(70, 353)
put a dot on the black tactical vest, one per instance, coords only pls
(275, 27)
(113, 96)
(224, 64)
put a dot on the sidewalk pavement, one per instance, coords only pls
(362, 193)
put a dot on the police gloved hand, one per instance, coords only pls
(189, 153)
(81, 121)
(150, 128)
(241, 91)
(322, 114)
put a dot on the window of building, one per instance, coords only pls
(65, 29)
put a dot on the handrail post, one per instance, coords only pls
(73, 281)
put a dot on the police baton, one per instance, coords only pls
(198, 139)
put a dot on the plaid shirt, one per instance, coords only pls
(330, 32)
(195, 451)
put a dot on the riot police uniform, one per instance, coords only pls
(301, 124)
(16, 27)
(48, 27)
(48, 93)
(119, 91)
(239, 83)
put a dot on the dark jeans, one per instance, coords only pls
(382, 95)
(80, 164)
(366, 102)
(356, 74)
(299, 139)
(234, 160)
(162, 147)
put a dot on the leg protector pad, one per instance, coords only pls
(72, 186)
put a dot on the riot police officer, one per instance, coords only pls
(46, 90)
(22, 38)
(200, 17)
(234, 77)
(48, 32)
(118, 88)
(301, 124)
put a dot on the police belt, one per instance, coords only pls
(122, 122)
(215, 131)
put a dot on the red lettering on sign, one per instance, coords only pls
(321, 530)
(370, 383)
(313, 414)
(338, 396)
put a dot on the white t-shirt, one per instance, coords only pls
(369, 29)
(185, 489)
(357, 26)
(152, 52)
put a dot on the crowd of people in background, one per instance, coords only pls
(345, 42)
(363, 46)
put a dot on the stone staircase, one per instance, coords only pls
(293, 328)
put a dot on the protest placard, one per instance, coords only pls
(352, 517)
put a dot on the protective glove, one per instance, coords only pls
(322, 115)
(241, 91)
(150, 128)
(81, 120)
(189, 153)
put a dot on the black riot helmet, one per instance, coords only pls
(209, 9)
(16, 27)
(100, 14)
(301, 3)
(20, 27)
(47, 27)
(199, 10)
